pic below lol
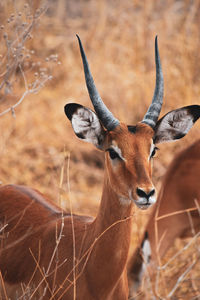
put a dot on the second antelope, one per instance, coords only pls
(48, 254)
(176, 215)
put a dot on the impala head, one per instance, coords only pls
(129, 149)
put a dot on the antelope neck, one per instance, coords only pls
(111, 210)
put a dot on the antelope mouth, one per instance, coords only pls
(145, 203)
(143, 206)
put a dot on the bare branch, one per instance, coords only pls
(180, 279)
(14, 57)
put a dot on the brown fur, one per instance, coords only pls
(32, 225)
(180, 189)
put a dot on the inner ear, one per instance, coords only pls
(86, 124)
(176, 123)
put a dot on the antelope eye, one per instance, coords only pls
(154, 152)
(113, 154)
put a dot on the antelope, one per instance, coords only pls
(49, 254)
(176, 215)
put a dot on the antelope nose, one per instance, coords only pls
(144, 194)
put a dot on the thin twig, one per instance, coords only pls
(29, 91)
(72, 222)
(180, 251)
(43, 276)
(36, 267)
(3, 285)
(86, 254)
(180, 279)
(176, 213)
(56, 247)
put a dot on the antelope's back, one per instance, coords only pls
(32, 228)
(24, 215)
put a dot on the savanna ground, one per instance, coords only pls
(38, 147)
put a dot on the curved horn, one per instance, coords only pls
(105, 116)
(153, 112)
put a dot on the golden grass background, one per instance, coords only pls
(118, 37)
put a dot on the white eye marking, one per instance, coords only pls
(118, 151)
(152, 149)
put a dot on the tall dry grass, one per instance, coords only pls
(118, 37)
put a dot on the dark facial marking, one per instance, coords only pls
(179, 136)
(132, 129)
(70, 109)
(194, 110)
(80, 135)
(112, 153)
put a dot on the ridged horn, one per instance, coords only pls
(105, 116)
(153, 112)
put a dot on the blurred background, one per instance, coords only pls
(41, 71)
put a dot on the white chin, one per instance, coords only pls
(144, 204)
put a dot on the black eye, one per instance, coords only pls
(154, 152)
(113, 154)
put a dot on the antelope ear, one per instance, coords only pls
(176, 123)
(86, 124)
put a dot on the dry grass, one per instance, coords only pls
(177, 275)
(119, 40)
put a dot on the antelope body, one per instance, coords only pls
(176, 215)
(47, 254)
